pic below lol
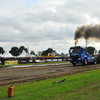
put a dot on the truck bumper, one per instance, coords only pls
(78, 61)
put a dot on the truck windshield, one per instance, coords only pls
(73, 50)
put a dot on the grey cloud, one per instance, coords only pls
(23, 30)
(11, 22)
(3, 1)
(39, 25)
(64, 17)
(95, 13)
(45, 16)
(88, 7)
(19, 32)
(82, 3)
(75, 17)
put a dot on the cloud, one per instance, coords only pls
(64, 17)
(3, 1)
(44, 23)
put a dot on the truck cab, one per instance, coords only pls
(78, 54)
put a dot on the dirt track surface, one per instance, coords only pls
(19, 75)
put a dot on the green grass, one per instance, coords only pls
(34, 63)
(79, 86)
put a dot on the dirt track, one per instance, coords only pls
(19, 75)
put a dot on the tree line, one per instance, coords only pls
(15, 51)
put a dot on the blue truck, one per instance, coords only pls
(78, 54)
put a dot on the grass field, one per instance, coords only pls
(79, 86)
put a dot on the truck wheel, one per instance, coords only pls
(74, 64)
(95, 62)
(85, 61)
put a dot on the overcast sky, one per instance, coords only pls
(43, 24)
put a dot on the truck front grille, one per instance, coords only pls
(74, 56)
(75, 59)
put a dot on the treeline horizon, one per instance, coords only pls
(15, 51)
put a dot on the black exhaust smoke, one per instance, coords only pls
(88, 32)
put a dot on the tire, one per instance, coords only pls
(95, 62)
(85, 61)
(74, 64)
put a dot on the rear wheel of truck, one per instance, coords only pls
(85, 61)
(94, 62)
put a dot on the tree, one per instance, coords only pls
(57, 54)
(32, 52)
(99, 51)
(91, 50)
(66, 54)
(49, 50)
(14, 51)
(62, 54)
(23, 48)
(2, 50)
